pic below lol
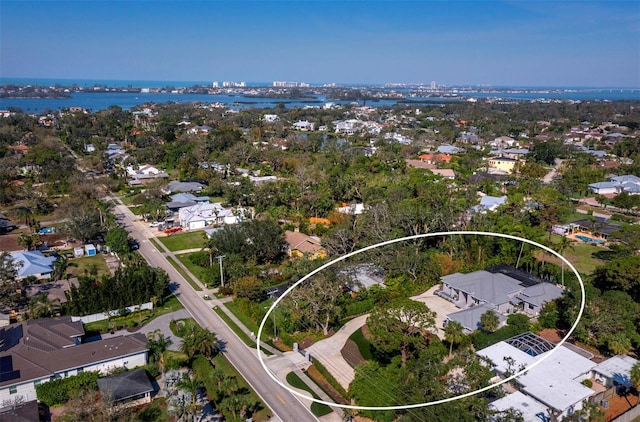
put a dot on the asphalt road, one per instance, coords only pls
(283, 404)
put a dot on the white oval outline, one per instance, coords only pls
(402, 239)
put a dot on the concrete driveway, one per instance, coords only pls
(161, 323)
(437, 304)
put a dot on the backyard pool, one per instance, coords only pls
(590, 239)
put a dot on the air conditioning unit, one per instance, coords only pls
(604, 403)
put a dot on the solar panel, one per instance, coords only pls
(6, 369)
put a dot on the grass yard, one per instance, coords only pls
(244, 319)
(363, 344)
(156, 244)
(203, 274)
(182, 272)
(135, 318)
(77, 266)
(581, 255)
(182, 241)
(318, 409)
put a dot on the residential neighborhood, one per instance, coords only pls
(153, 259)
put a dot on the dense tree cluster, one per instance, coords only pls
(132, 285)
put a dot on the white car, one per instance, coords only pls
(155, 224)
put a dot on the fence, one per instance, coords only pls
(629, 416)
(106, 315)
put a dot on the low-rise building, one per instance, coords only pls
(33, 263)
(205, 214)
(302, 245)
(38, 351)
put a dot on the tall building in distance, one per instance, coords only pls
(433, 85)
(227, 84)
(285, 84)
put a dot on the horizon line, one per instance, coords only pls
(320, 84)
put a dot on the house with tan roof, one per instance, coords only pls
(302, 245)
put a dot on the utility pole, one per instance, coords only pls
(221, 273)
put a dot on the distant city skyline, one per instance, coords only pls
(496, 43)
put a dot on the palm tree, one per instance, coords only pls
(453, 333)
(40, 306)
(158, 345)
(236, 403)
(489, 321)
(565, 243)
(635, 376)
(200, 341)
(26, 240)
(191, 385)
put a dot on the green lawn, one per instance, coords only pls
(183, 273)
(580, 255)
(139, 318)
(203, 274)
(156, 244)
(317, 409)
(244, 319)
(182, 241)
(77, 266)
(363, 344)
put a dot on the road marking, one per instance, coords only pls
(281, 399)
(253, 368)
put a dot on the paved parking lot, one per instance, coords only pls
(437, 304)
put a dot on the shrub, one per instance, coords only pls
(57, 392)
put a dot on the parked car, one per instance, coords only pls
(173, 230)
(156, 224)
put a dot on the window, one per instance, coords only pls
(13, 390)
(80, 370)
(36, 383)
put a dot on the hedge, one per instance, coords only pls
(59, 391)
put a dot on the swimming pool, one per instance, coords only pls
(590, 239)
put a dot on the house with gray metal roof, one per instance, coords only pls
(499, 290)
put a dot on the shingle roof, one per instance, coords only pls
(125, 385)
(40, 348)
(302, 242)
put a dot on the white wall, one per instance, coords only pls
(28, 390)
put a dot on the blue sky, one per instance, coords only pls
(499, 43)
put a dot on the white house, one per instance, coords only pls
(270, 118)
(555, 383)
(200, 215)
(145, 170)
(616, 185)
(38, 351)
(353, 209)
(304, 125)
